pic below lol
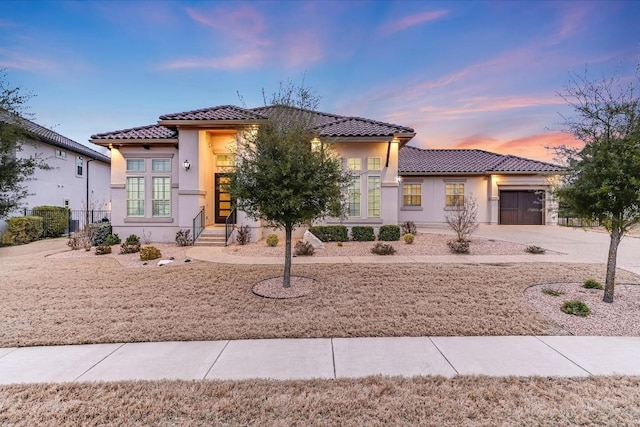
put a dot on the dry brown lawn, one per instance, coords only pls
(374, 401)
(48, 301)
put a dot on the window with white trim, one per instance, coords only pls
(412, 194)
(61, 154)
(374, 163)
(354, 196)
(161, 196)
(161, 165)
(135, 165)
(454, 194)
(354, 163)
(135, 196)
(79, 165)
(373, 196)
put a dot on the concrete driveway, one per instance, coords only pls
(579, 244)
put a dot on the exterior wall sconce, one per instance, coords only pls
(186, 165)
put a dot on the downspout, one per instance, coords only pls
(87, 195)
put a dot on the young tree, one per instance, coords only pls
(282, 177)
(462, 219)
(603, 177)
(14, 170)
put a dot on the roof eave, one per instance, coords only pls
(115, 141)
(211, 123)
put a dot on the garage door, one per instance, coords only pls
(521, 208)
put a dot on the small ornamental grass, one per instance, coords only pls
(592, 284)
(112, 239)
(272, 240)
(383, 249)
(183, 237)
(131, 245)
(533, 249)
(575, 307)
(552, 292)
(459, 246)
(243, 235)
(149, 252)
(409, 227)
(408, 238)
(303, 248)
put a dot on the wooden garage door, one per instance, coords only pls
(521, 208)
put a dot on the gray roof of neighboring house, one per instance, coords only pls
(53, 138)
(417, 161)
(327, 125)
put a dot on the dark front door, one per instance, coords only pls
(521, 208)
(222, 203)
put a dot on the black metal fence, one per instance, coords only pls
(76, 220)
(570, 221)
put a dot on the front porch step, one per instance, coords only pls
(211, 237)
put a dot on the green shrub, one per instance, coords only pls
(303, 248)
(409, 227)
(382, 249)
(408, 238)
(552, 292)
(149, 252)
(103, 249)
(99, 231)
(183, 237)
(22, 229)
(592, 284)
(272, 240)
(112, 239)
(459, 246)
(577, 308)
(331, 233)
(55, 220)
(362, 233)
(243, 235)
(131, 245)
(533, 249)
(389, 233)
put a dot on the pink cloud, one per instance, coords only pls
(241, 25)
(573, 21)
(411, 21)
(302, 48)
(532, 146)
(234, 62)
(21, 61)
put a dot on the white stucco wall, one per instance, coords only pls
(52, 187)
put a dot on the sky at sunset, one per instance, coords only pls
(462, 74)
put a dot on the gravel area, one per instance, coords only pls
(424, 244)
(621, 318)
(170, 252)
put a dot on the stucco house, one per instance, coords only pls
(170, 176)
(79, 177)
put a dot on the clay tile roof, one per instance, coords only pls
(223, 112)
(53, 138)
(142, 132)
(356, 126)
(431, 162)
(333, 125)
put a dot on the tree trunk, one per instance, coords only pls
(610, 279)
(286, 281)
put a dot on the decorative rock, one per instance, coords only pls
(164, 262)
(313, 240)
(187, 260)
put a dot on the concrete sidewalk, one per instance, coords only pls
(327, 358)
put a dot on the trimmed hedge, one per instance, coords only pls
(55, 220)
(330, 233)
(22, 229)
(363, 233)
(389, 233)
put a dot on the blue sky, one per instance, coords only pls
(463, 74)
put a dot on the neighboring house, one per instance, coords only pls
(79, 176)
(165, 176)
(508, 189)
